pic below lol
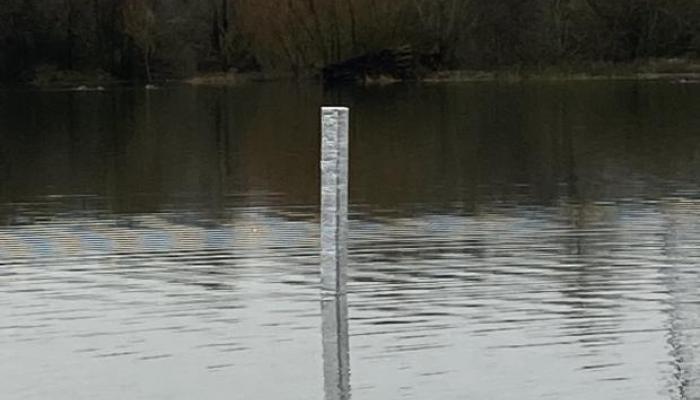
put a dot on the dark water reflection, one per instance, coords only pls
(508, 241)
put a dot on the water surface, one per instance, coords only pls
(508, 241)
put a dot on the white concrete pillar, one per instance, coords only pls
(334, 198)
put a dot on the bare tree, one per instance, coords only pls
(140, 26)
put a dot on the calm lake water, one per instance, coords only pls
(508, 241)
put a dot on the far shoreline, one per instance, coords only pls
(673, 70)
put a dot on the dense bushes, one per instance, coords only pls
(138, 38)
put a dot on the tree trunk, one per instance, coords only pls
(70, 34)
(353, 26)
(224, 16)
(147, 63)
(320, 37)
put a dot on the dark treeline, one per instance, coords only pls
(144, 39)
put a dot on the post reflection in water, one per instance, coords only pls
(336, 347)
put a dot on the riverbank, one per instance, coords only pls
(677, 69)
(233, 78)
(48, 76)
(658, 69)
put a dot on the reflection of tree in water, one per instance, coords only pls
(681, 277)
(426, 147)
(5, 170)
(592, 284)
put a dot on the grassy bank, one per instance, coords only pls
(656, 69)
(52, 77)
(233, 78)
(675, 69)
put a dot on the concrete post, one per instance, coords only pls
(334, 198)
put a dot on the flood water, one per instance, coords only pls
(507, 241)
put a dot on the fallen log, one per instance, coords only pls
(397, 63)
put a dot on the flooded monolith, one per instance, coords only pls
(334, 198)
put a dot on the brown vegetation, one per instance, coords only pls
(144, 39)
